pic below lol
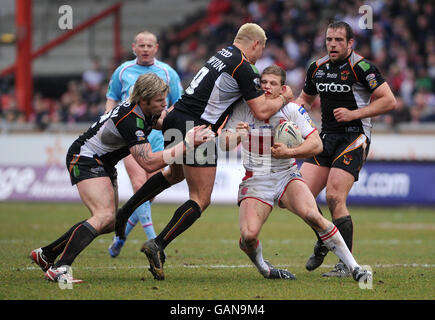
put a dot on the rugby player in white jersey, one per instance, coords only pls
(272, 176)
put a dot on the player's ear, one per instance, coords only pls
(350, 43)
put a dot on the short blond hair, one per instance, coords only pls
(250, 32)
(148, 86)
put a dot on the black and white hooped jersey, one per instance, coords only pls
(110, 138)
(348, 83)
(226, 77)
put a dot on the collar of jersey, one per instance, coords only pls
(146, 65)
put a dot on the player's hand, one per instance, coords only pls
(242, 129)
(280, 151)
(343, 115)
(287, 93)
(198, 135)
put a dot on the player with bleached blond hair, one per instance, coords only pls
(227, 76)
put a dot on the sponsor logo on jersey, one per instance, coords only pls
(140, 124)
(370, 76)
(364, 65)
(139, 133)
(331, 75)
(332, 87)
(344, 75)
(319, 73)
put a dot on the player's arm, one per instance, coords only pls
(309, 91)
(383, 101)
(310, 147)
(305, 100)
(110, 104)
(151, 161)
(230, 139)
(249, 84)
(263, 108)
(114, 88)
(159, 123)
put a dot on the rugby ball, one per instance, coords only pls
(288, 134)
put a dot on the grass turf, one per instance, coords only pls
(206, 263)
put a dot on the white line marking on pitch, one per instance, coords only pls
(223, 266)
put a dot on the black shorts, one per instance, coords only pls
(174, 128)
(81, 168)
(347, 151)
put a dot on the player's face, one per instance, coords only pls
(336, 44)
(145, 48)
(271, 84)
(155, 106)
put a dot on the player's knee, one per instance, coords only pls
(106, 221)
(249, 235)
(174, 176)
(334, 199)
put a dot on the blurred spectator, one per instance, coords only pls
(401, 44)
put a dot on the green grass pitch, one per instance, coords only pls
(205, 263)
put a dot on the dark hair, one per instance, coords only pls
(277, 71)
(345, 26)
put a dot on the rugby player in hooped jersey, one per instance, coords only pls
(351, 91)
(91, 161)
(269, 180)
(227, 76)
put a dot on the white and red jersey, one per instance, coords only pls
(256, 149)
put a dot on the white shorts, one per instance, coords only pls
(267, 188)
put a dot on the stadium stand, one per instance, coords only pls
(401, 44)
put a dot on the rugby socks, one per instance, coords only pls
(256, 256)
(80, 238)
(142, 214)
(154, 185)
(131, 223)
(56, 247)
(183, 218)
(333, 240)
(345, 226)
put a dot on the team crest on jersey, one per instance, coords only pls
(373, 83)
(347, 158)
(344, 74)
(244, 191)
